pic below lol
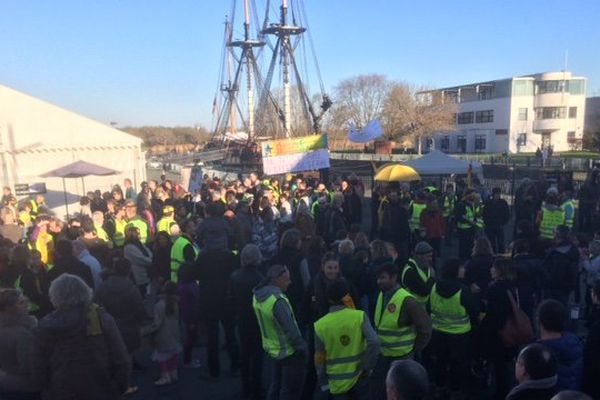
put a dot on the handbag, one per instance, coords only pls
(517, 330)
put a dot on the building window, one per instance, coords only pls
(445, 143)
(522, 114)
(550, 112)
(550, 86)
(465, 118)
(461, 144)
(576, 86)
(571, 136)
(484, 116)
(501, 131)
(522, 139)
(486, 92)
(480, 143)
(572, 112)
(522, 88)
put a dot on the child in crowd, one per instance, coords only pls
(166, 338)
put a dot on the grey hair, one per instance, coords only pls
(409, 379)
(69, 291)
(250, 255)
(346, 247)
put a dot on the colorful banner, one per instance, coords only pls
(306, 153)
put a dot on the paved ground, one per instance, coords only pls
(190, 385)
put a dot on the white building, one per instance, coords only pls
(519, 114)
(36, 137)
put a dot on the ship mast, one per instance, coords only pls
(249, 73)
(287, 96)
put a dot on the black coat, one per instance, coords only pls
(243, 281)
(292, 259)
(214, 269)
(534, 394)
(71, 265)
(394, 227)
(496, 213)
(122, 299)
(498, 308)
(591, 366)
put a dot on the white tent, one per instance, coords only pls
(36, 137)
(439, 163)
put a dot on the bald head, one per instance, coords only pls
(407, 380)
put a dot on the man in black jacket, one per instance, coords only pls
(561, 265)
(242, 282)
(66, 263)
(496, 215)
(394, 227)
(214, 269)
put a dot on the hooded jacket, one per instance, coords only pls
(283, 314)
(74, 360)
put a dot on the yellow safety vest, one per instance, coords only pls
(424, 277)
(119, 237)
(395, 341)
(415, 219)
(469, 216)
(177, 257)
(479, 216)
(551, 219)
(101, 233)
(448, 205)
(345, 346)
(274, 340)
(447, 314)
(142, 227)
(165, 224)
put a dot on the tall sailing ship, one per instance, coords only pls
(264, 84)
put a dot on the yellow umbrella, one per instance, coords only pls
(397, 173)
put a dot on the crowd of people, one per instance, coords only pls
(426, 299)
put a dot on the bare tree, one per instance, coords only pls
(359, 100)
(415, 114)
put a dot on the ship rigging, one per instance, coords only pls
(247, 108)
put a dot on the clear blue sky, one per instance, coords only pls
(150, 62)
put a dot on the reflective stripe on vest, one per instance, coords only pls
(447, 314)
(569, 208)
(415, 219)
(469, 216)
(345, 346)
(274, 340)
(395, 341)
(479, 216)
(448, 206)
(423, 275)
(551, 219)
